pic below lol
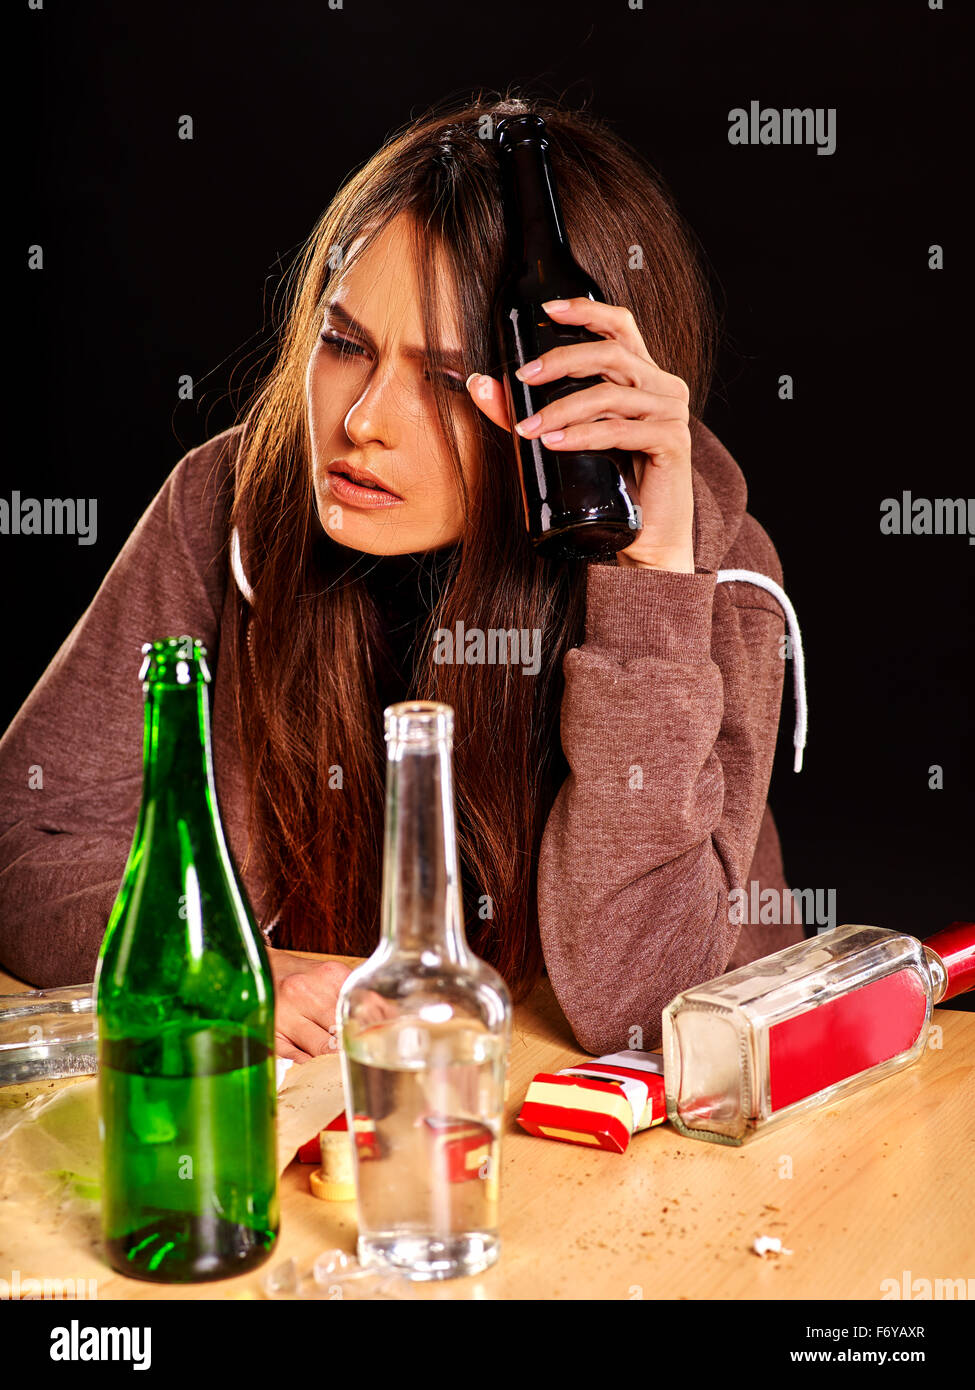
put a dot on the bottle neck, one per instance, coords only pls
(177, 758)
(422, 912)
(939, 976)
(535, 226)
(950, 954)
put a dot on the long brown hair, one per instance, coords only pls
(307, 703)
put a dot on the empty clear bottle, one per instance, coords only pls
(425, 1027)
(806, 1026)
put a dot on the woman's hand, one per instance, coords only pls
(637, 407)
(305, 997)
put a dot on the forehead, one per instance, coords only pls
(379, 288)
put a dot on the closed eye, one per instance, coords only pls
(453, 383)
(345, 347)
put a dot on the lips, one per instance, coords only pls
(362, 477)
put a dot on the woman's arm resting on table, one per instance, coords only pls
(670, 756)
(71, 760)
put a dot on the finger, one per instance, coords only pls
(283, 1047)
(614, 320)
(622, 402)
(306, 1036)
(371, 1007)
(313, 994)
(305, 1010)
(604, 357)
(661, 439)
(488, 395)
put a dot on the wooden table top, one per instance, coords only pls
(874, 1188)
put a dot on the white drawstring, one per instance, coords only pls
(798, 663)
(238, 571)
(238, 568)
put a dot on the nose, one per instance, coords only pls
(374, 413)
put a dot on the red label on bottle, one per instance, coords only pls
(848, 1035)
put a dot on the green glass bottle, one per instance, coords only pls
(185, 1016)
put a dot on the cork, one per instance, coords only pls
(335, 1180)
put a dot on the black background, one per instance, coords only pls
(162, 256)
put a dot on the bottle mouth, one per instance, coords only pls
(174, 661)
(518, 128)
(425, 722)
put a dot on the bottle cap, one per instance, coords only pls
(330, 1191)
(955, 948)
(174, 661)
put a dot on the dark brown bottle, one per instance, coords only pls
(578, 505)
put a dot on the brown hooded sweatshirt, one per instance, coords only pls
(668, 724)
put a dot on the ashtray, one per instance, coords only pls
(48, 1033)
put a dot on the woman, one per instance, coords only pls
(609, 801)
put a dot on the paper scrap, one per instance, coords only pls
(309, 1098)
(769, 1245)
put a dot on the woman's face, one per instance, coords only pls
(371, 409)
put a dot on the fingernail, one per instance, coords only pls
(529, 369)
(526, 426)
(552, 437)
(556, 304)
(479, 385)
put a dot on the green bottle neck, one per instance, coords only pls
(177, 762)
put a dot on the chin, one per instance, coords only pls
(373, 546)
(382, 534)
(374, 538)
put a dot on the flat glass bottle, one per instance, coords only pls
(185, 1016)
(579, 503)
(425, 1027)
(801, 1028)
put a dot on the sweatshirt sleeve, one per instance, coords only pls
(71, 760)
(668, 723)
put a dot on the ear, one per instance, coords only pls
(488, 395)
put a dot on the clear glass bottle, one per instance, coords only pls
(806, 1026)
(425, 1027)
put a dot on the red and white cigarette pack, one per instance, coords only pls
(599, 1103)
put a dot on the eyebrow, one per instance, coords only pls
(452, 361)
